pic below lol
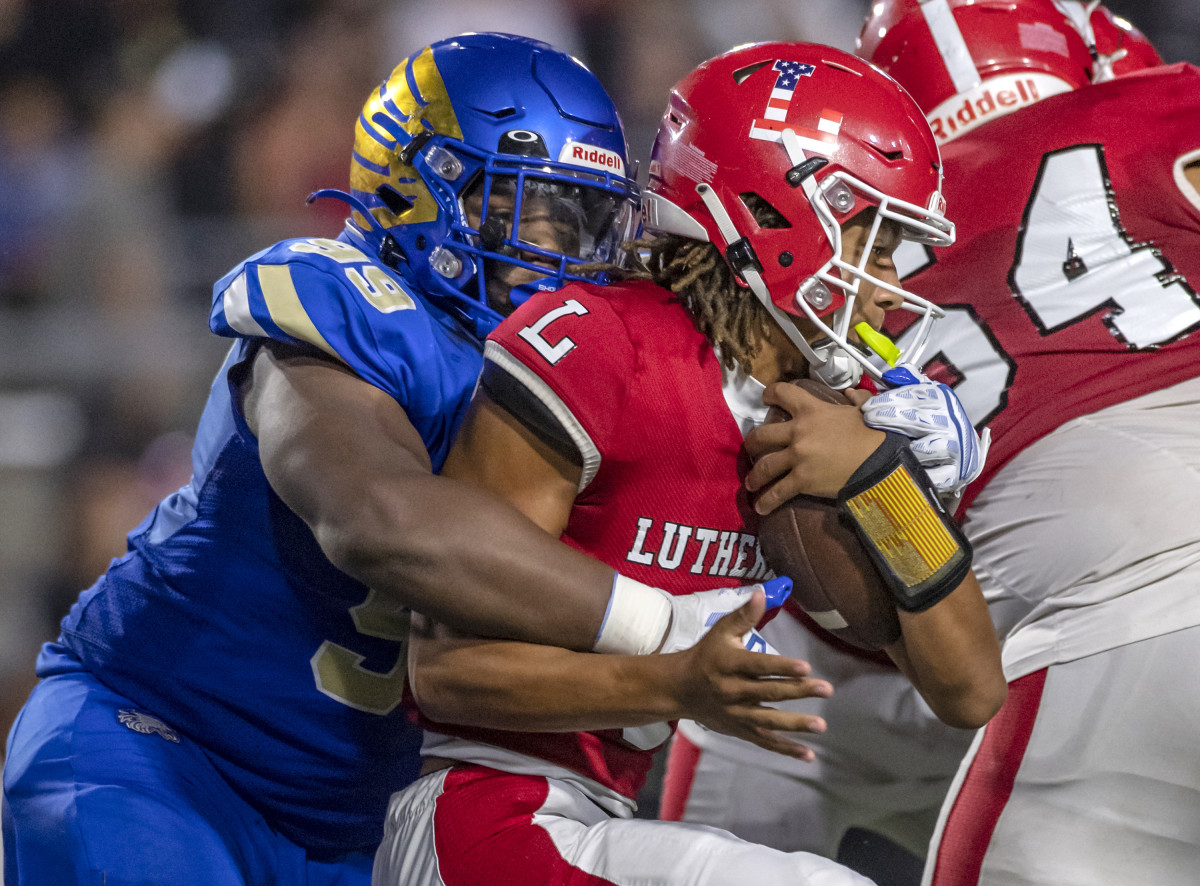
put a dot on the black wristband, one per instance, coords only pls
(916, 546)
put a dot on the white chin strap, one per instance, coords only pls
(827, 362)
(834, 367)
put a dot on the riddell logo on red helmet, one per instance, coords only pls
(578, 154)
(989, 100)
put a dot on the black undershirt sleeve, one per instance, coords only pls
(504, 390)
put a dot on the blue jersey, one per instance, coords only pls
(225, 620)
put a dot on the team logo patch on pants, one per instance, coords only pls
(147, 725)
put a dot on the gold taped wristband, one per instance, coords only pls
(914, 544)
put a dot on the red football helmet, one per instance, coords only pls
(970, 61)
(766, 150)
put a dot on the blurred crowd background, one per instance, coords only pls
(146, 146)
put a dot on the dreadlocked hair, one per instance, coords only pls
(727, 314)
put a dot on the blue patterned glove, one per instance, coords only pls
(931, 415)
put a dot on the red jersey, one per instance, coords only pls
(1072, 284)
(640, 391)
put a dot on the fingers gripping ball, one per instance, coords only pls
(833, 578)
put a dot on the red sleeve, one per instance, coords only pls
(573, 353)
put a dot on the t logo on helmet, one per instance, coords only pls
(774, 118)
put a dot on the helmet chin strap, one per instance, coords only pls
(522, 292)
(828, 362)
(839, 370)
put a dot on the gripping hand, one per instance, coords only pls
(931, 415)
(694, 614)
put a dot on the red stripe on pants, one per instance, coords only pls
(988, 785)
(677, 780)
(484, 833)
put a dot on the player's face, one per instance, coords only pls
(549, 220)
(872, 302)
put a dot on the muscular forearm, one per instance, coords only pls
(344, 457)
(950, 654)
(462, 557)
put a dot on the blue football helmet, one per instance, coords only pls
(488, 166)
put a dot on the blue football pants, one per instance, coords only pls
(89, 800)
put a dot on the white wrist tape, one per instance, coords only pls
(637, 618)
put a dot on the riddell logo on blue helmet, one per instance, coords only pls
(592, 157)
(993, 98)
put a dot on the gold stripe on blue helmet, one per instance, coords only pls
(412, 100)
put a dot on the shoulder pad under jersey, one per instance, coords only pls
(332, 295)
(572, 351)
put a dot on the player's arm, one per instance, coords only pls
(523, 687)
(343, 455)
(950, 654)
(526, 687)
(947, 648)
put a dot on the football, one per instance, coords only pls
(833, 578)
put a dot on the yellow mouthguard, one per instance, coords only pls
(878, 342)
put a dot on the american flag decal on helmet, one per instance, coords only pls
(691, 161)
(774, 117)
(822, 140)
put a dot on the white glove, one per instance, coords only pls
(693, 614)
(931, 415)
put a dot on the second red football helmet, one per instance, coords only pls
(969, 61)
(766, 150)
